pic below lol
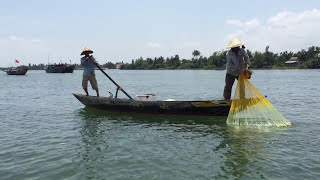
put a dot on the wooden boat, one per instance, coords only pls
(60, 68)
(145, 104)
(20, 70)
(55, 68)
(210, 108)
(69, 68)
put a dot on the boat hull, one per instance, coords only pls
(55, 69)
(60, 68)
(16, 72)
(20, 70)
(211, 108)
(69, 69)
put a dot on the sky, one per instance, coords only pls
(56, 31)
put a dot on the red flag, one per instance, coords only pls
(17, 61)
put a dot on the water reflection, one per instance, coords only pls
(91, 152)
(151, 118)
(100, 133)
(241, 150)
(202, 125)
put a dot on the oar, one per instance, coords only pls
(120, 88)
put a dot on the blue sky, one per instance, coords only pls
(57, 31)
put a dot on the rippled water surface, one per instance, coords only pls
(45, 133)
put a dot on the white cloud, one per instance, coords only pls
(153, 45)
(235, 22)
(285, 31)
(15, 38)
(247, 26)
(36, 40)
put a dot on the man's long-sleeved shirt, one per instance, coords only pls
(88, 65)
(235, 63)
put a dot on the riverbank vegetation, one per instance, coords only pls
(306, 59)
(309, 59)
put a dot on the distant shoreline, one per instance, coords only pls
(271, 68)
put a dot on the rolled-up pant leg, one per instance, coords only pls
(93, 82)
(92, 79)
(85, 81)
(228, 86)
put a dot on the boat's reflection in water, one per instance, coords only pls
(202, 125)
(239, 151)
(142, 118)
(107, 137)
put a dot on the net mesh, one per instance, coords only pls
(250, 108)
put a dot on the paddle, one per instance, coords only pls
(118, 87)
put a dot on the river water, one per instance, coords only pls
(46, 133)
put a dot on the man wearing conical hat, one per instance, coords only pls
(237, 62)
(88, 63)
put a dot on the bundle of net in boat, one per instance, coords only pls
(250, 108)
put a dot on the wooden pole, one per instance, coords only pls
(120, 88)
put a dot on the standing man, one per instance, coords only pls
(88, 63)
(237, 62)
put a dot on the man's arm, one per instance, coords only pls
(84, 62)
(93, 60)
(246, 58)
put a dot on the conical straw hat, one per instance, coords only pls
(235, 43)
(86, 50)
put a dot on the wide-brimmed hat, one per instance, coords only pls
(235, 43)
(86, 50)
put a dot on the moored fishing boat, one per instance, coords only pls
(69, 68)
(60, 68)
(211, 108)
(20, 70)
(55, 68)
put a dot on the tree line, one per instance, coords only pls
(309, 58)
(108, 65)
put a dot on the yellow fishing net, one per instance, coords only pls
(250, 108)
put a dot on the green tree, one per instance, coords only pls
(196, 53)
(109, 65)
(308, 58)
(258, 60)
(313, 63)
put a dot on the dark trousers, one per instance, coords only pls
(228, 86)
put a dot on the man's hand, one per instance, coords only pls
(89, 57)
(247, 68)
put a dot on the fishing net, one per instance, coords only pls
(250, 108)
